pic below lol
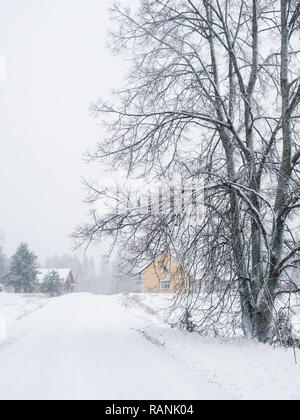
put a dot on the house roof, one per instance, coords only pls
(62, 272)
(161, 257)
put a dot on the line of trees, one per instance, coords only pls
(213, 95)
(84, 270)
(20, 273)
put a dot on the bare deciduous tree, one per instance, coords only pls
(212, 95)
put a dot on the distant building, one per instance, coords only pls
(65, 274)
(165, 275)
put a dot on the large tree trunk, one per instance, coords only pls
(264, 316)
(264, 320)
(263, 324)
(237, 247)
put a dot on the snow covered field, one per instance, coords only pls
(84, 346)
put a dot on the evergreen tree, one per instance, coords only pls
(52, 284)
(3, 265)
(23, 270)
(187, 323)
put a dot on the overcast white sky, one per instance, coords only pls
(57, 62)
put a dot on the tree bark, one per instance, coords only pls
(266, 299)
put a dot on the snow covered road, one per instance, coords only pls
(90, 347)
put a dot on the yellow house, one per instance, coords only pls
(165, 275)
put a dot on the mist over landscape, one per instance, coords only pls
(57, 62)
(149, 202)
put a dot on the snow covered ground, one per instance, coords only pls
(244, 369)
(15, 307)
(84, 346)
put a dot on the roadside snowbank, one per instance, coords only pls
(14, 307)
(246, 369)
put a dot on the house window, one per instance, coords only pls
(165, 284)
